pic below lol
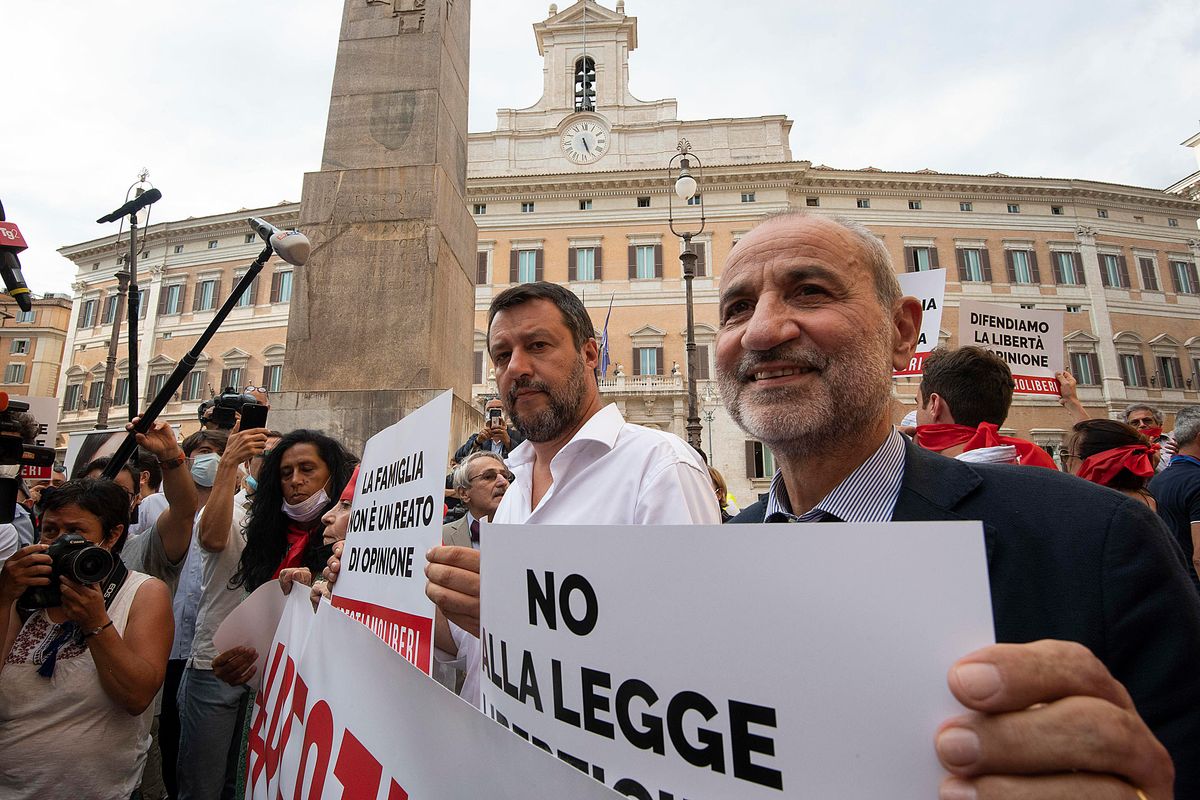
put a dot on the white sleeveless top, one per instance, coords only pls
(62, 736)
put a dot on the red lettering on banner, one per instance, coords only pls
(1024, 384)
(397, 792)
(276, 739)
(318, 733)
(358, 770)
(916, 365)
(408, 634)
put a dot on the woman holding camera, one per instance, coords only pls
(82, 662)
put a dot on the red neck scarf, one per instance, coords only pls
(942, 437)
(1151, 433)
(1103, 467)
(297, 539)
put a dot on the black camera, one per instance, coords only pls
(227, 405)
(17, 429)
(78, 559)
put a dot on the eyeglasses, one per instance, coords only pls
(1142, 423)
(490, 475)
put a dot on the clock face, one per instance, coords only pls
(584, 142)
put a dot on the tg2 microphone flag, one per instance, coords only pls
(11, 243)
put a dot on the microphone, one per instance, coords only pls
(292, 246)
(11, 243)
(133, 206)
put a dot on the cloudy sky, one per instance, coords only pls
(225, 102)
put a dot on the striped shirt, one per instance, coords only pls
(868, 494)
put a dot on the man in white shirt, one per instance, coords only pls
(581, 462)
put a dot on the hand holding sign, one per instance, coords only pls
(453, 574)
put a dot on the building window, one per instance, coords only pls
(87, 314)
(694, 200)
(281, 286)
(155, 385)
(970, 265)
(110, 309)
(1170, 373)
(26, 316)
(95, 394)
(250, 237)
(478, 368)
(1149, 274)
(273, 377)
(1028, 306)
(1136, 218)
(812, 202)
(71, 396)
(647, 361)
(585, 263)
(585, 205)
(702, 362)
(178, 249)
(480, 209)
(1102, 213)
(19, 347)
(920, 259)
(1086, 368)
(966, 206)
(1022, 266)
(585, 84)
(701, 249)
(1066, 269)
(250, 296)
(14, 373)
(1112, 271)
(645, 262)
(212, 244)
(1133, 370)
(748, 197)
(481, 268)
(206, 295)
(864, 202)
(1184, 275)
(172, 298)
(1014, 208)
(232, 377)
(1172, 222)
(527, 207)
(643, 202)
(527, 266)
(1074, 309)
(760, 461)
(914, 205)
(193, 385)
(121, 397)
(1056, 210)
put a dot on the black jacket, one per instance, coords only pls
(1071, 560)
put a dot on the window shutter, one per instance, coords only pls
(658, 270)
(217, 294)
(572, 264)
(162, 299)
(1140, 364)
(82, 314)
(658, 360)
(276, 277)
(701, 362)
(478, 366)
(961, 260)
(481, 268)
(1104, 281)
(253, 290)
(1059, 280)
(1078, 259)
(266, 378)
(225, 379)
(701, 260)
(910, 259)
(985, 259)
(637, 361)
(183, 288)
(1094, 363)
(1033, 267)
(933, 258)
(632, 262)
(539, 263)
(514, 259)
(599, 264)
(1149, 279)
(1008, 261)
(1191, 270)
(1172, 267)
(1123, 269)
(750, 471)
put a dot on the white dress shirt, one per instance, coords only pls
(610, 473)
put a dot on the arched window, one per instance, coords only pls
(585, 84)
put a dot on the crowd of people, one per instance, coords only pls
(1093, 557)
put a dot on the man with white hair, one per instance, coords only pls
(1177, 490)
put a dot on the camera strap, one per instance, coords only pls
(70, 631)
(114, 581)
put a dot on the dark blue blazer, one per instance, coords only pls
(1071, 560)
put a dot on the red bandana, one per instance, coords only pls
(1151, 433)
(297, 539)
(942, 437)
(1104, 466)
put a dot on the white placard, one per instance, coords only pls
(928, 286)
(366, 724)
(756, 661)
(1030, 341)
(254, 620)
(45, 411)
(396, 517)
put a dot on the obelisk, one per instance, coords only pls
(382, 316)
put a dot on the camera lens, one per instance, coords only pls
(89, 565)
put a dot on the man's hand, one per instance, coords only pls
(484, 434)
(1066, 386)
(29, 566)
(83, 604)
(1047, 721)
(453, 586)
(159, 440)
(500, 434)
(244, 445)
(300, 575)
(236, 666)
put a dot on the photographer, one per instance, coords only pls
(79, 667)
(496, 435)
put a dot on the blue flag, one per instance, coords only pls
(604, 340)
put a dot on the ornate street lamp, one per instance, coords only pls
(679, 173)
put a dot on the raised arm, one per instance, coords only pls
(217, 518)
(175, 524)
(1068, 398)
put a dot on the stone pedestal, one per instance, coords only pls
(384, 310)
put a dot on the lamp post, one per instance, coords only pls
(685, 186)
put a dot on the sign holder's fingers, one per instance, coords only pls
(1047, 787)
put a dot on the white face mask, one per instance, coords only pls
(308, 509)
(204, 469)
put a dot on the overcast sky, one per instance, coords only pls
(225, 102)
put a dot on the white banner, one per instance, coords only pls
(395, 519)
(928, 286)
(343, 716)
(705, 662)
(45, 411)
(1029, 341)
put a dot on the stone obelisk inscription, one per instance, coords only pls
(382, 315)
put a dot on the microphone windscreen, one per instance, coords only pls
(292, 246)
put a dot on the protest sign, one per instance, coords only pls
(45, 411)
(680, 661)
(396, 517)
(254, 621)
(1029, 341)
(347, 717)
(928, 286)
